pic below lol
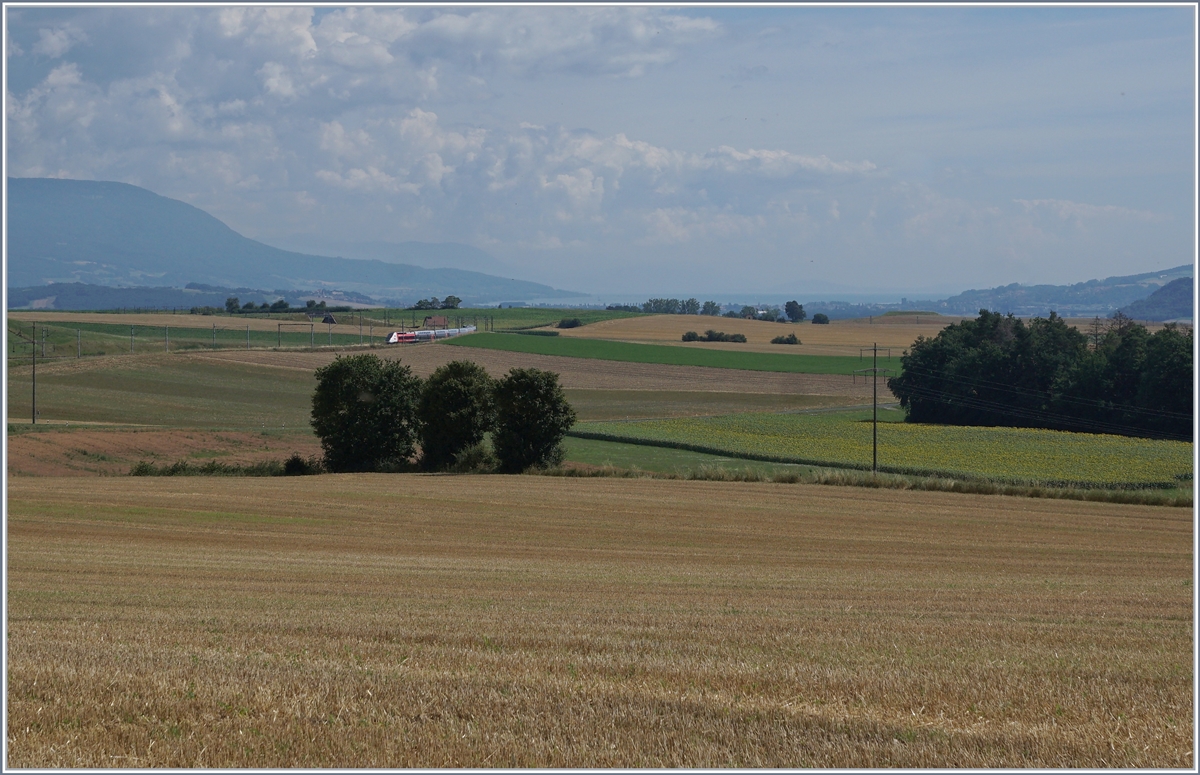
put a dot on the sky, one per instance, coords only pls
(644, 150)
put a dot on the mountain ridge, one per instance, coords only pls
(117, 234)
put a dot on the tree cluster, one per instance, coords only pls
(234, 306)
(789, 339)
(998, 370)
(713, 336)
(450, 302)
(372, 415)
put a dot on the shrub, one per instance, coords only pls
(365, 413)
(532, 416)
(476, 459)
(691, 336)
(456, 409)
(570, 323)
(299, 466)
(820, 318)
(789, 339)
(736, 338)
(536, 332)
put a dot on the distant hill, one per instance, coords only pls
(115, 234)
(431, 255)
(1087, 299)
(1173, 301)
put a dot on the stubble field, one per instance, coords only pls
(530, 621)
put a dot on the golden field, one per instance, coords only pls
(494, 621)
(838, 337)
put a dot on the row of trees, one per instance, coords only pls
(233, 305)
(371, 414)
(998, 370)
(792, 311)
(450, 302)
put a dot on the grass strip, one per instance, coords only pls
(293, 466)
(670, 355)
(845, 478)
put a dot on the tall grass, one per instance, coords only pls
(849, 478)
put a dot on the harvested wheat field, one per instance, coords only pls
(839, 337)
(491, 621)
(579, 373)
(347, 321)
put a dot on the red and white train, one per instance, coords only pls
(402, 337)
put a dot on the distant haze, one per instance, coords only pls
(634, 152)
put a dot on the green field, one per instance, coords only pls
(665, 459)
(69, 340)
(844, 440)
(163, 391)
(669, 355)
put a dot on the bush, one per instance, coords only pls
(570, 323)
(536, 332)
(476, 459)
(736, 338)
(821, 318)
(789, 339)
(456, 409)
(691, 336)
(365, 413)
(299, 466)
(532, 416)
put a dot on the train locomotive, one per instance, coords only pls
(404, 337)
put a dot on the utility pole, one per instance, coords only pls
(131, 340)
(874, 371)
(78, 344)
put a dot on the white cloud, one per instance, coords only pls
(1077, 211)
(56, 42)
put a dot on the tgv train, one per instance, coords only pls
(401, 337)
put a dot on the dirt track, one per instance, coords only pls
(582, 373)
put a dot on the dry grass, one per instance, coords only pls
(532, 621)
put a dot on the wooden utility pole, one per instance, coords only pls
(874, 371)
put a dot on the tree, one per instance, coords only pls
(249, 306)
(364, 410)
(451, 302)
(311, 304)
(279, 306)
(690, 307)
(821, 318)
(231, 304)
(748, 312)
(710, 308)
(795, 312)
(457, 408)
(532, 416)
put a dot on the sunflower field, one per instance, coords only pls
(843, 440)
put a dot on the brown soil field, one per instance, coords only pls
(95, 451)
(427, 621)
(582, 373)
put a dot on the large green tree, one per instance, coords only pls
(532, 417)
(364, 410)
(457, 408)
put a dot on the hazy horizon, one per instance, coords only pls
(632, 152)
